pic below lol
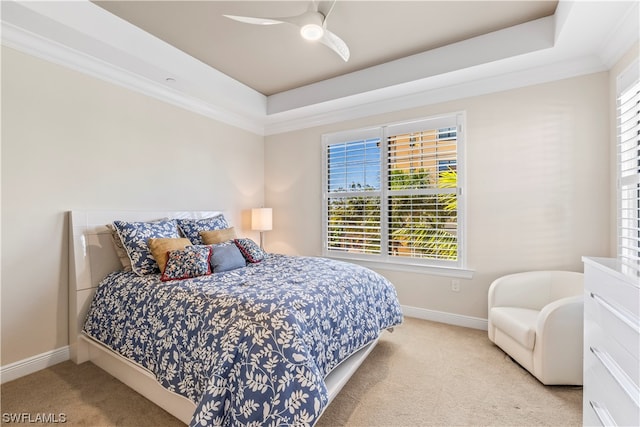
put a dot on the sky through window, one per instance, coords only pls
(354, 165)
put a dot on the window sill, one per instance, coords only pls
(457, 272)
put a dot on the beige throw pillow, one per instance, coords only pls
(213, 237)
(160, 248)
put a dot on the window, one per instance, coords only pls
(394, 193)
(628, 162)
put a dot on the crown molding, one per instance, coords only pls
(510, 42)
(96, 43)
(48, 50)
(623, 37)
(86, 38)
(458, 87)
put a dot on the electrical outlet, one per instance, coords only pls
(455, 285)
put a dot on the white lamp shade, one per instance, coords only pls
(261, 219)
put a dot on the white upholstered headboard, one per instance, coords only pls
(92, 256)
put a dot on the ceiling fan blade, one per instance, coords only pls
(312, 18)
(335, 43)
(255, 21)
(325, 7)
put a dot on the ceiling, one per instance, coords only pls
(273, 59)
(267, 80)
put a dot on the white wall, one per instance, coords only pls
(539, 183)
(70, 141)
(537, 187)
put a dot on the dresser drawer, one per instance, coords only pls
(604, 330)
(611, 392)
(608, 395)
(612, 289)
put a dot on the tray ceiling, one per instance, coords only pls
(273, 59)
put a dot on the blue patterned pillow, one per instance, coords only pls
(250, 250)
(192, 261)
(134, 236)
(191, 228)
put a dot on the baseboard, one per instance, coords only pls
(443, 317)
(18, 369)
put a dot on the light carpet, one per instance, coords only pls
(422, 374)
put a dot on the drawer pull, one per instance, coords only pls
(618, 375)
(630, 320)
(603, 415)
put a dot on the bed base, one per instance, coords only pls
(140, 380)
(92, 257)
(143, 381)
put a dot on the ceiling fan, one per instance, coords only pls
(312, 24)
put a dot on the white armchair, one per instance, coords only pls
(537, 318)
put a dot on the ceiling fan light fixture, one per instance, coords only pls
(311, 32)
(312, 25)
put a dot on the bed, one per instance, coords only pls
(271, 342)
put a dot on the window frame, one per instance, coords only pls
(384, 260)
(625, 216)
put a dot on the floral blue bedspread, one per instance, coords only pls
(249, 346)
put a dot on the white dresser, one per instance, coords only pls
(611, 393)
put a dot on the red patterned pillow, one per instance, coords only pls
(192, 261)
(250, 250)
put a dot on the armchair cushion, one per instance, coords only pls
(518, 323)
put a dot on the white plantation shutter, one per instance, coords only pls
(360, 233)
(393, 192)
(422, 190)
(628, 161)
(352, 194)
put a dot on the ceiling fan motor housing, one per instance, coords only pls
(311, 26)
